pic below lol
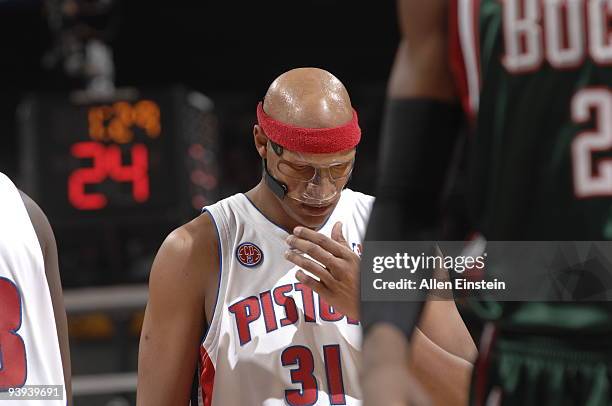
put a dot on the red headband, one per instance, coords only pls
(310, 140)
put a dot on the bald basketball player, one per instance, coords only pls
(226, 301)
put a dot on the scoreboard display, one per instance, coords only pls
(111, 132)
(122, 170)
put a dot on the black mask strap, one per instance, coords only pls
(277, 187)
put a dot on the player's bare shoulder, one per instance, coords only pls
(204, 249)
(194, 241)
(188, 259)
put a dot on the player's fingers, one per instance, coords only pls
(329, 245)
(313, 284)
(337, 236)
(311, 266)
(315, 251)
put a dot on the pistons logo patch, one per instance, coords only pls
(249, 254)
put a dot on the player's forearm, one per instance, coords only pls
(385, 378)
(445, 376)
(384, 345)
(442, 324)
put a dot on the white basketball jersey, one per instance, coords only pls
(29, 347)
(272, 340)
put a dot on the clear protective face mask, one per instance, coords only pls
(311, 183)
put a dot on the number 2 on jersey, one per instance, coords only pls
(592, 178)
(13, 369)
(303, 374)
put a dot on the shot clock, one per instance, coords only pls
(110, 127)
(115, 175)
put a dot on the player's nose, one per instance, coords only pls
(321, 188)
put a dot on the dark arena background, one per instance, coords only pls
(123, 118)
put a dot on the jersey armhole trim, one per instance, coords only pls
(219, 283)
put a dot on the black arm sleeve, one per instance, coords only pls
(418, 139)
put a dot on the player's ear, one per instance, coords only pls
(261, 141)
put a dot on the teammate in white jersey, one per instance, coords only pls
(33, 329)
